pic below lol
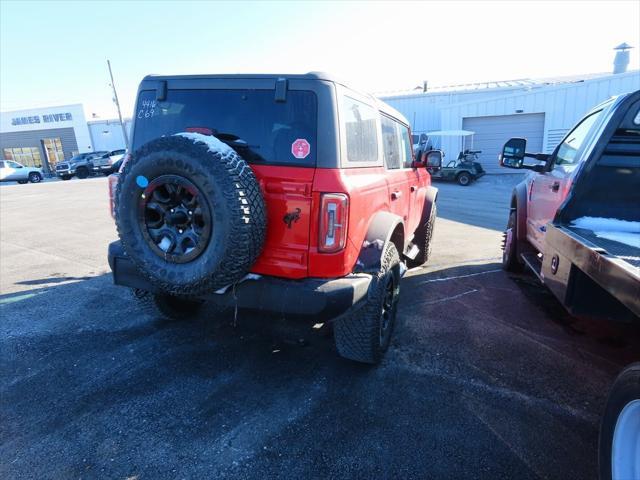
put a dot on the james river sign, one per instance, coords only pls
(48, 118)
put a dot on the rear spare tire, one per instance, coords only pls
(190, 214)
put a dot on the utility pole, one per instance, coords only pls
(115, 100)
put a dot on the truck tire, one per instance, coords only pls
(364, 334)
(510, 258)
(168, 306)
(619, 441)
(424, 236)
(464, 179)
(66, 177)
(176, 308)
(82, 172)
(191, 219)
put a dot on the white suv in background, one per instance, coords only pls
(11, 171)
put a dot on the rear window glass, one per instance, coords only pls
(361, 131)
(261, 129)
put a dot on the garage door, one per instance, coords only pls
(493, 132)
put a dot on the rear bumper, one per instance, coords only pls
(321, 299)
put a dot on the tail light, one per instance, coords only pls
(334, 216)
(113, 183)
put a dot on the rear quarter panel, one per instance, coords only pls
(368, 193)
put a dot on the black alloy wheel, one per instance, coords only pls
(177, 222)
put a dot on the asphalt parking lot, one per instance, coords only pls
(487, 376)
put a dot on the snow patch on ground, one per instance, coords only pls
(215, 145)
(622, 231)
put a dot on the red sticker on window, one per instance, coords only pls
(300, 148)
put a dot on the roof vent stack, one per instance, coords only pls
(621, 61)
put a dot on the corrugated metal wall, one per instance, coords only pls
(107, 134)
(562, 104)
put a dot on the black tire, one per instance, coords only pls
(223, 180)
(167, 306)
(625, 393)
(510, 256)
(82, 172)
(177, 308)
(364, 334)
(22, 182)
(424, 236)
(464, 179)
(66, 177)
(35, 177)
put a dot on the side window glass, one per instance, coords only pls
(390, 143)
(361, 131)
(568, 149)
(405, 146)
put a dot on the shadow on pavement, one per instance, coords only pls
(471, 388)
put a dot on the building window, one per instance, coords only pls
(53, 149)
(28, 156)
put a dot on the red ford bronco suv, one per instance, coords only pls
(291, 194)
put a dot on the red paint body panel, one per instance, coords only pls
(293, 252)
(286, 250)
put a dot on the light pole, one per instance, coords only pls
(115, 100)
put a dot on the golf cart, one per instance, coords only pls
(464, 169)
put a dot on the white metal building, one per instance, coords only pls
(107, 134)
(540, 110)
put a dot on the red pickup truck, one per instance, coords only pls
(292, 194)
(575, 222)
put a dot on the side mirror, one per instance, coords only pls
(512, 155)
(434, 159)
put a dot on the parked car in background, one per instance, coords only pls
(464, 170)
(109, 163)
(81, 165)
(11, 171)
(319, 205)
(575, 223)
(116, 155)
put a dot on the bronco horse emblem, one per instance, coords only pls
(292, 217)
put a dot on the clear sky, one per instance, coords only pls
(55, 52)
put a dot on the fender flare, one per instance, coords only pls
(380, 231)
(430, 199)
(519, 202)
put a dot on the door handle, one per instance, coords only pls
(555, 186)
(413, 188)
(396, 195)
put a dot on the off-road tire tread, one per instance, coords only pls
(247, 230)
(425, 237)
(356, 334)
(513, 263)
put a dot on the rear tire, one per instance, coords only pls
(424, 236)
(22, 182)
(510, 255)
(464, 179)
(177, 308)
(35, 177)
(619, 439)
(364, 334)
(82, 172)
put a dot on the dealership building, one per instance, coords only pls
(42, 137)
(542, 111)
